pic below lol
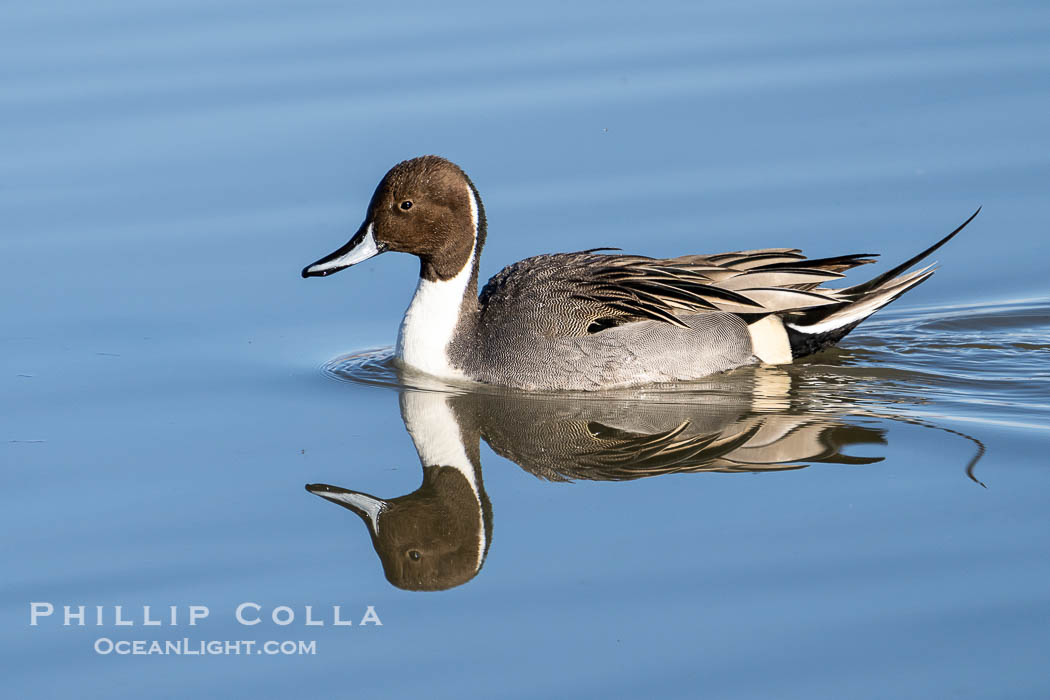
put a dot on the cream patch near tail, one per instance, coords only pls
(769, 340)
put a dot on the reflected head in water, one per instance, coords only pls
(437, 536)
(431, 539)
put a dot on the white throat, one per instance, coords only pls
(431, 318)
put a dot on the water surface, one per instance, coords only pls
(170, 384)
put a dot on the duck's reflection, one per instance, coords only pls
(437, 536)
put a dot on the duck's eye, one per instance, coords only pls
(406, 205)
(414, 553)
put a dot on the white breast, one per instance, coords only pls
(430, 322)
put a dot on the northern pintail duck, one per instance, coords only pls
(592, 319)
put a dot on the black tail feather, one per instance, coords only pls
(861, 289)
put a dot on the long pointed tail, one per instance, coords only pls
(823, 326)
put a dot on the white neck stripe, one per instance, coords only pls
(472, 200)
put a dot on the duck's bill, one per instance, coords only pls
(368, 507)
(358, 249)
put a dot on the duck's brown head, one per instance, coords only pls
(426, 206)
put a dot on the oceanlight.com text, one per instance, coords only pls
(192, 647)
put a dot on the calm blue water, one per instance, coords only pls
(169, 384)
